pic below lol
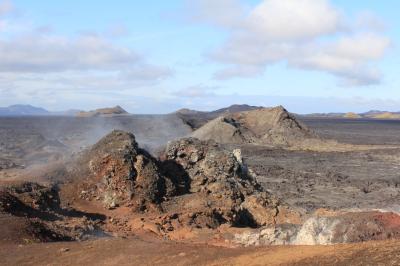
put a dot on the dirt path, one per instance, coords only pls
(140, 252)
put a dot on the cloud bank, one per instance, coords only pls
(306, 34)
(37, 60)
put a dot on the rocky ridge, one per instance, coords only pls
(273, 126)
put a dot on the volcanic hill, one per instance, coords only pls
(194, 184)
(116, 110)
(273, 126)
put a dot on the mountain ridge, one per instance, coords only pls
(23, 110)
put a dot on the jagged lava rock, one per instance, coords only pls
(195, 183)
(120, 173)
(220, 184)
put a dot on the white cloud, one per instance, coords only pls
(347, 57)
(49, 53)
(361, 47)
(39, 60)
(307, 34)
(293, 19)
(50, 62)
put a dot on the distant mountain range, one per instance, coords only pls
(230, 109)
(373, 114)
(23, 110)
(29, 110)
(193, 117)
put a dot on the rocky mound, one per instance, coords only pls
(117, 110)
(274, 126)
(219, 188)
(119, 173)
(195, 182)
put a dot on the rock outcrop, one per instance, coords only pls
(197, 182)
(120, 173)
(219, 183)
(273, 126)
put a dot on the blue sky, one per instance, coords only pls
(159, 56)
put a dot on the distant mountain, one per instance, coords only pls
(386, 115)
(373, 114)
(29, 110)
(324, 115)
(381, 114)
(109, 111)
(23, 110)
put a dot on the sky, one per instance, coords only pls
(160, 56)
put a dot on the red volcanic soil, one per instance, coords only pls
(389, 220)
(133, 251)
